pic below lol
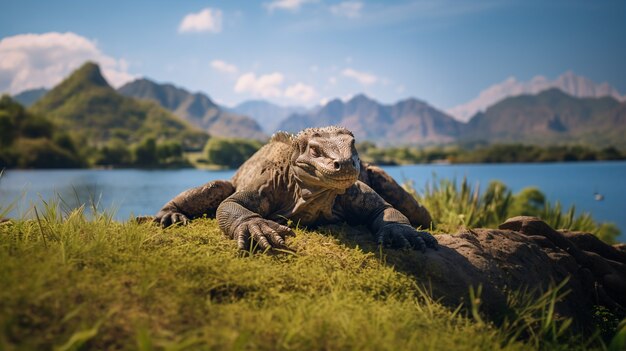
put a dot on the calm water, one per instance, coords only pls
(143, 192)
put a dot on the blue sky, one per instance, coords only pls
(303, 52)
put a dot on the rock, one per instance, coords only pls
(524, 254)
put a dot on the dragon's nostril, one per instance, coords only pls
(337, 165)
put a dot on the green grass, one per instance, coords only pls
(70, 282)
(455, 205)
(71, 279)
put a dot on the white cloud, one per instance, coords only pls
(332, 80)
(349, 9)
(362, 77)
(266, 86)
(291, 5)
(43, 60)
(300, 92)
(224, 67)
(269, 86)
(207, 20)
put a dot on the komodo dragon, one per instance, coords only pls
(312, 178)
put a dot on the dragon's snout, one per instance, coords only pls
(345, 164)
(342, 169)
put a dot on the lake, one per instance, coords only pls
(143, 192)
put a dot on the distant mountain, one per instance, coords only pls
(267, 114)
(406, 122)
(28, 97)
(551, 117)
(197, 109)
(568, 82)
(85, 105)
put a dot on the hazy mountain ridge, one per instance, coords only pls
(568, 82)
(85, 105)
(28, 97)
(268, 115)
(406, 122)
(551, 117)
(196, 108)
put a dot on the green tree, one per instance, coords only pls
(115, 153)
(144, 153)
(36, 127)
(169, 151)
(610, 153)
(7, 129)
(230, 152)
(43, 153)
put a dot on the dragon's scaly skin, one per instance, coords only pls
(312, 178)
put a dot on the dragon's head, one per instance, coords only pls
(325, 157)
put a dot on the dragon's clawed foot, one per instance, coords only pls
(168, 218)
(399, 236)
(264, 233)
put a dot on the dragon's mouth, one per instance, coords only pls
(338, 180)
(331, 177)
(342, 179)
(337, 175)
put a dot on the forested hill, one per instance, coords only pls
(196, 108)
(30, 140)
(88, 108)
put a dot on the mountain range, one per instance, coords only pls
(86, 106)
(568, 82)
(406, 122)
(196, 108)
(268, 115)
(551, 117)
(28, 97)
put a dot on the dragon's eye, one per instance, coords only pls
(314, 151)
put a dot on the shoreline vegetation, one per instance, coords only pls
(136, 286)
(486, 153)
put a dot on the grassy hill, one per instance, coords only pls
(76, 281)
(102, 284)
(86, 106)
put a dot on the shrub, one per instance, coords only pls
(230, 152)
(43, 153)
